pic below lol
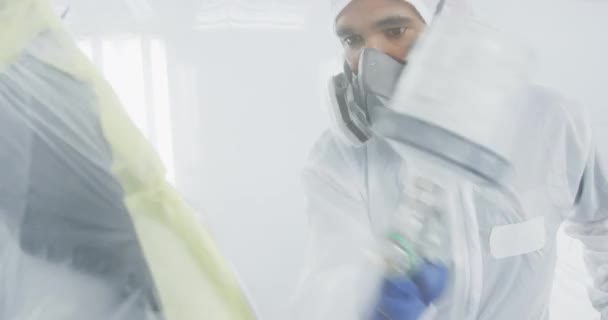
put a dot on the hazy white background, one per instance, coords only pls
(230, 91)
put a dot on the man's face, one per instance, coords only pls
(390, 26)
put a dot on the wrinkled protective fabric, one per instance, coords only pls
(89, 227)
(558, 179)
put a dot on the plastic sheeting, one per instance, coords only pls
(89, 228)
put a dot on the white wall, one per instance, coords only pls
(568, 37)
(259, 114)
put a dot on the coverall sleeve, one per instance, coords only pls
(339, 281)
(589, 221)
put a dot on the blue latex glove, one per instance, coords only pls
(407, 298)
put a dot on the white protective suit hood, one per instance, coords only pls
(426, 8)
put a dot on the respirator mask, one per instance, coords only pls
(451, 115)
(352, 96)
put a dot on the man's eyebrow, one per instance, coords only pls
(387, 22)
(392, 21)
(343, 31)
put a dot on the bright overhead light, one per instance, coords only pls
(248, 14)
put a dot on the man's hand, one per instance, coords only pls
(407, 298)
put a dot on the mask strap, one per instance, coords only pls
(348, 72)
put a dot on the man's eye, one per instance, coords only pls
(353, 41)
(395, 32)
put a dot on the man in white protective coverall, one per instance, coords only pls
(559, 180)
